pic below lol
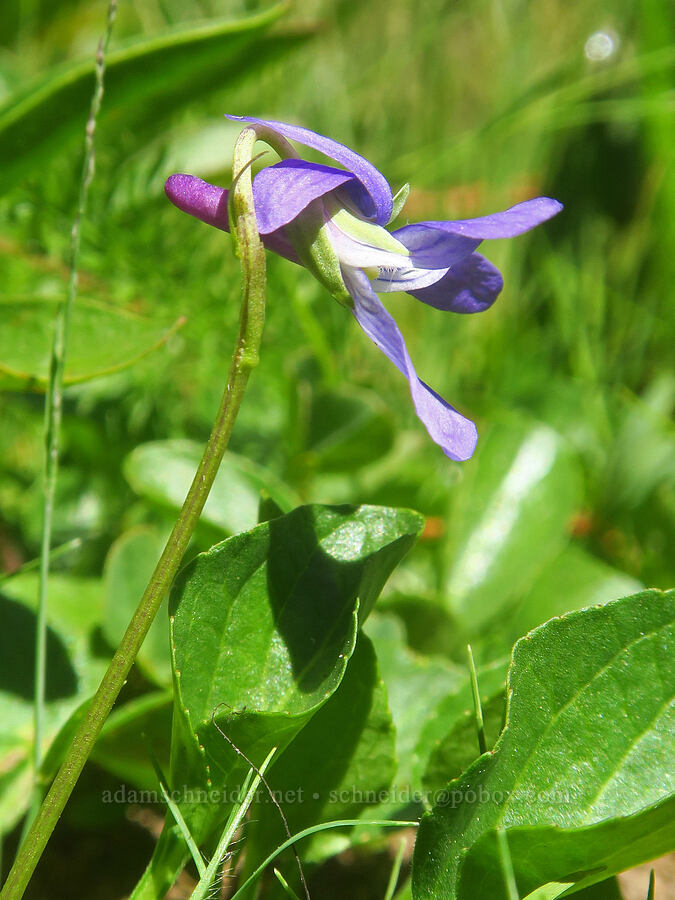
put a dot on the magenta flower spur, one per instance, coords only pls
(332, 220)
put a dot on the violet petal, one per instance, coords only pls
(282, 191)
(374, 196)
(208, 203)
(425, 237)
(470, 286)
(434, 247)
(455, 434)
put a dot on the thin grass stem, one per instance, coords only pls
(506, 864)
(285, 885)
(56, 553)
(203, 889)
(477, 706)
(395, 871)
(54, 398)
(174, 809)
(308, 832)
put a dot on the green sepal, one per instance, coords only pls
(367, 232)
(399, 201)
(309, 236)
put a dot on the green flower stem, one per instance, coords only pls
(251, 253)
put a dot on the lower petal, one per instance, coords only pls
(433, 247)
(470, 286)
(406, 280)
(449, 429)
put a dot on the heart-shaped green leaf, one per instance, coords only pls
(163, 471)
(266, 621)
(102, 340)
(73, 675)
(262, 629)
(337, 766)
(511, 519)
(577, 778)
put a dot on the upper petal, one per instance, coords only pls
(371, 190)
(282, 191)
(515, 220)
(455, 435)
(471, 285)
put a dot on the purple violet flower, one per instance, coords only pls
(332, 221)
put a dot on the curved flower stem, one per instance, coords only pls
(251, 253)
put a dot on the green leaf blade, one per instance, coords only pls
(103, 340)
(161, 71)
(263, 627)
(580, 763)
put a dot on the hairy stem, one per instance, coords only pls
(252, 256)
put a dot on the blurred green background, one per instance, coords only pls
(570, 498)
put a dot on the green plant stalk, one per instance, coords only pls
(251, 253)
(54, 400)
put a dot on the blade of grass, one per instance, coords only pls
(178, 817)
(395, 871)
(315, 829)
(203, 889)
(477, 707)
(272, 798)
(650, 892)
(56, 553)
(507, 865)
(285, 885)
(145, 80)
(54, 403)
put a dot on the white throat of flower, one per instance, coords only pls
(362, 244)
(331, 239)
